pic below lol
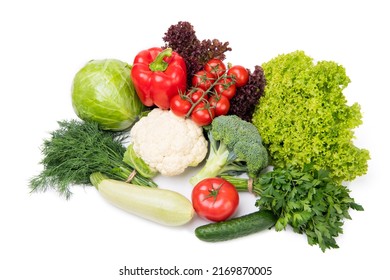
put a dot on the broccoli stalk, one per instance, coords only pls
(235, 148)
(220, 161)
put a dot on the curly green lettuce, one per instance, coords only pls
(304, 117)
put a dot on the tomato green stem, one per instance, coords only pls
(202, 99)
(214, 192)
(158, 64)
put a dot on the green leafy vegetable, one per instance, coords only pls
(244, 102)
(103, 92)
(131, 158)
(78, 149)
(308, 200)
(304, 118)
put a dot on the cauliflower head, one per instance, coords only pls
(168, 143)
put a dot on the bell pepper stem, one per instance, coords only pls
(158, 64)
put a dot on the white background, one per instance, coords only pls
(44, 43)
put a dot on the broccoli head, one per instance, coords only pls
(235, 147)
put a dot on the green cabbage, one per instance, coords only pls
(103, 92)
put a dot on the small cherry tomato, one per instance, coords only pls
(215, 199)
(216, 67)
(203, 114)
(198, 94)
(202, 80)
(180, 105)
(240, 74)
(221, 104)
(226, 87)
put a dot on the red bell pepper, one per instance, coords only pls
(158, 75)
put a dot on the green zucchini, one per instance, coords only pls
(236, 227)
(159, 205)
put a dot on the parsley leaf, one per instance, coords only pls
(308, 200)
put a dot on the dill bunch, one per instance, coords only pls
(75, 151)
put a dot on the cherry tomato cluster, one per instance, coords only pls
(211, 91)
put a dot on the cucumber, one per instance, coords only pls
(236, 227)
(162, 206)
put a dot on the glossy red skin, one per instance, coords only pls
(195, 96)
(202, 114)
(216, 67)
(221, 104)
(158, 87)
(226, 87)
(202, 80)
(241, 75)
(180, 106)
(217, 208)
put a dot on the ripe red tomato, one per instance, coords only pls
(216, 67)
(195, 96)
(221, 104)
(215, 199)
(241, 75)
(179, 105)
(202, 80)
(203, 114)
(226, 87)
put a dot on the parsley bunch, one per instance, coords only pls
(310, 201)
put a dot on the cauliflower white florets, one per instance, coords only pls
(168, 143)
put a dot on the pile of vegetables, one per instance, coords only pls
(283, 132)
